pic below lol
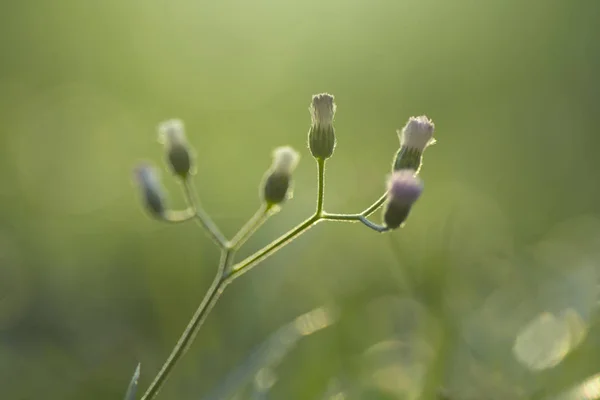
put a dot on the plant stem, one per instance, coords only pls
(249, 262)
(176, 217)
(320, 186)
(225, 275)
(259, 218)
(202, 217)
(375, 206)
(360, 217)
(187, 337)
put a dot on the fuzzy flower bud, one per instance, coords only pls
(171, 134)
(153, 194)
(404, 188)
(277, 181)
(416, 135)
(321, 136)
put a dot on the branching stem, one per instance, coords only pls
(227, 272)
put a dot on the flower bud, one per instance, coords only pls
(321, 136)
(404, 188)
(277, 181)
(153, 195)
(171, 134)
(416, 135)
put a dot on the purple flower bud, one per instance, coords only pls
(404, 189)
(153, 195)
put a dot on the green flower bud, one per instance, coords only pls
(276, 187)
(179, 155)
(404, 188)
(153, 195)
(416, 135)
(321, 136)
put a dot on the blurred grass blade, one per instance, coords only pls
(255, 376)
(133, 384)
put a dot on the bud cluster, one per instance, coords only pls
(403, 186)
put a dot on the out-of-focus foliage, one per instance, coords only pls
(505, 239)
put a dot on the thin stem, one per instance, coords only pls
(375, 206)
(372, 225)
(249, 262)
(227, 273)
(259, 218)
(202, 217)
(320, 186)
(177, 217)
(341, 217)
(354, 218)
(187, 337)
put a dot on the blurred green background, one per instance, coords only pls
(508, 227)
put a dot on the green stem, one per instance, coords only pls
(226, 274)
(187, 337)
(375, 206)
(320, 186)
(202, 217)
(359, 217)
(176, 217)
(259, 218)
(249, 262)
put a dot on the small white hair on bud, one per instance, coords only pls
(417, 133)
(322, 109)
(404, 187)
(172, 133)
(285, 159)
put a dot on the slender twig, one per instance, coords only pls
(372, 225)
(187, 337)
(202, 217)
(249, 262)
(355, 218)
(375, 206)
(259, 218)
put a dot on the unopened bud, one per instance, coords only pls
(404, 188)
(416, 135)
(276, 186)
(171, 134)
(321, 136)
(153, 194)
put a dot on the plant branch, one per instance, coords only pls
(187, 337)
(259, 218)
(249, 262)
(202, 217)
(227, 273)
